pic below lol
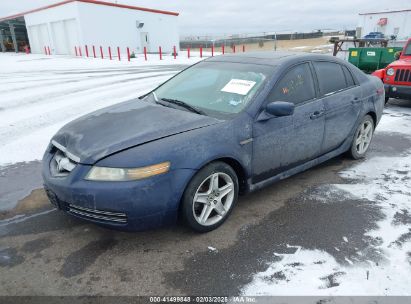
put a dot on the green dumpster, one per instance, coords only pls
(387, 56)
(371, 59)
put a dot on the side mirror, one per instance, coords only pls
(280, 108)
(397, 55)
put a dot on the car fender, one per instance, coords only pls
(379, 73)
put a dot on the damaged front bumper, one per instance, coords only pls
(131, 205)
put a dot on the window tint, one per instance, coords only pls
(330, 77)
(296, 86)
(348, 77)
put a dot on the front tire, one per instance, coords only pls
(210, 197)
(362, 138)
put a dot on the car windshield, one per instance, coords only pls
(407, 51)
(215, 88)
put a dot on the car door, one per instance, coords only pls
(283, 142)
(342, 101)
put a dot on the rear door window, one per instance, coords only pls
(331, 77)
(295, 86)
(348, 77)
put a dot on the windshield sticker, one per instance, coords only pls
(238, 86)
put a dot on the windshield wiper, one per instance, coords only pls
(184, 105)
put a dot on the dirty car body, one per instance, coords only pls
(261, 148)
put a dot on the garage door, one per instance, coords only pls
(70, 28)
(59, 38)
(65, 36)
(39, 37)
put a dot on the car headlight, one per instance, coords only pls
(390, 72)
(126, 174)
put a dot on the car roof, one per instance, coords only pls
(272, 58)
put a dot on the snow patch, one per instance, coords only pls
(42, 93)
(386, 182)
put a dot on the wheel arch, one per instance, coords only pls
(373, 116)
(239, 170)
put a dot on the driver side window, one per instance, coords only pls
(295, 86)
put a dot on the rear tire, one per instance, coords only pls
(210, 197)
(362, 138)
(386, 99)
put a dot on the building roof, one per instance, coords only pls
(386, 12)
(98, 2)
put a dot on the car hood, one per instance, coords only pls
(406, 62)
(119, 127)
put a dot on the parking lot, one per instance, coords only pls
(342, 228)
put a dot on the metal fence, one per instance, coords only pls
(208, 42)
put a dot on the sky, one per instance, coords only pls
(247, 16)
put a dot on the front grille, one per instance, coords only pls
(403, 75)
(106, 216)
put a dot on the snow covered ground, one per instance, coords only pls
(383, 267)
(39, 94)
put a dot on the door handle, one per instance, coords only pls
(316, 114)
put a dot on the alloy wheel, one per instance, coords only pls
(213, 199)
(364, 137)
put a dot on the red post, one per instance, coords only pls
(118, 52)
(128, 54)
(233, 48)
(222, 48)
(109, 53)
(188, 53)
(94, 51)
(86, 51)
(79, 51)
(175, 52)
(161, 54)
(27, 49)
(201, 51)
(48, 51)
(145, 53)
(45, 50)
(75, 50)
(243, 48)
(101, 52)
(212, 51)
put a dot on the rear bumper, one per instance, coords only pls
(397, 91)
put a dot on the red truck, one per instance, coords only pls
(397, 75)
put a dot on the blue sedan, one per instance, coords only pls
(223, 127)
